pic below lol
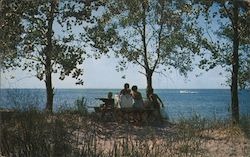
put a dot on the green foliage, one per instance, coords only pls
(44, 39)
(10, 32)
(40, 43)
(151, 34)
(218, 42)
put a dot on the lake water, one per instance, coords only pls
(179, 103)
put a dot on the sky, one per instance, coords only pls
(102, 74)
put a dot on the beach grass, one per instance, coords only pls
(74, 132)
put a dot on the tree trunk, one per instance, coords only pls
(48, 66)
(235, 64)
(148, 71)
(149, 89)
(49, 91)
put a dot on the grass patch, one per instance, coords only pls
(74, 132)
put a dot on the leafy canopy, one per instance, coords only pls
(154, 34)
(218, 42)
(66, 51)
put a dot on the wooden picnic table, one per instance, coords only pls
(124, 114)
(137, 115)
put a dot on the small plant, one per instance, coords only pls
(81, 106)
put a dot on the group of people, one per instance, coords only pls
(130, 98)
(133, 98)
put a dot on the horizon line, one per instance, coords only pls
(121, 88)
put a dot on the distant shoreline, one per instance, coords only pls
(121, 88)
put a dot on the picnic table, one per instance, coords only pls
(131, 114)
(137, 115)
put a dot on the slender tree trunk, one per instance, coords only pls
(235, 64)
(149, 72)
(149, 75)
(48, 66)
(49, 91)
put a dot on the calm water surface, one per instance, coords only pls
(179, 103)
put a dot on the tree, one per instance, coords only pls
(53, 52)
(48, 43)
(232, 47)
(155, 35)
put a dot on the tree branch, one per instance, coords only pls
(159, 39)
(161, 73)
(142, 73)
(143, 35)
(135, 59)
(133, 46)
(227, 11)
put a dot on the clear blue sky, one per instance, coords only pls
(102, 74)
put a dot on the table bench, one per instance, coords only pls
(136, 115)
(130, 114)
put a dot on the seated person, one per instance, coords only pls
(108, 103)
(156, 102)
(138, 102)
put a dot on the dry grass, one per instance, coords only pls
(33, 133)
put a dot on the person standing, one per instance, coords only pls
(126, 99)
(138, 102)
(125, 90)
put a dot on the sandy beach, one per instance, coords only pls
(74, 134)
(168, 139)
